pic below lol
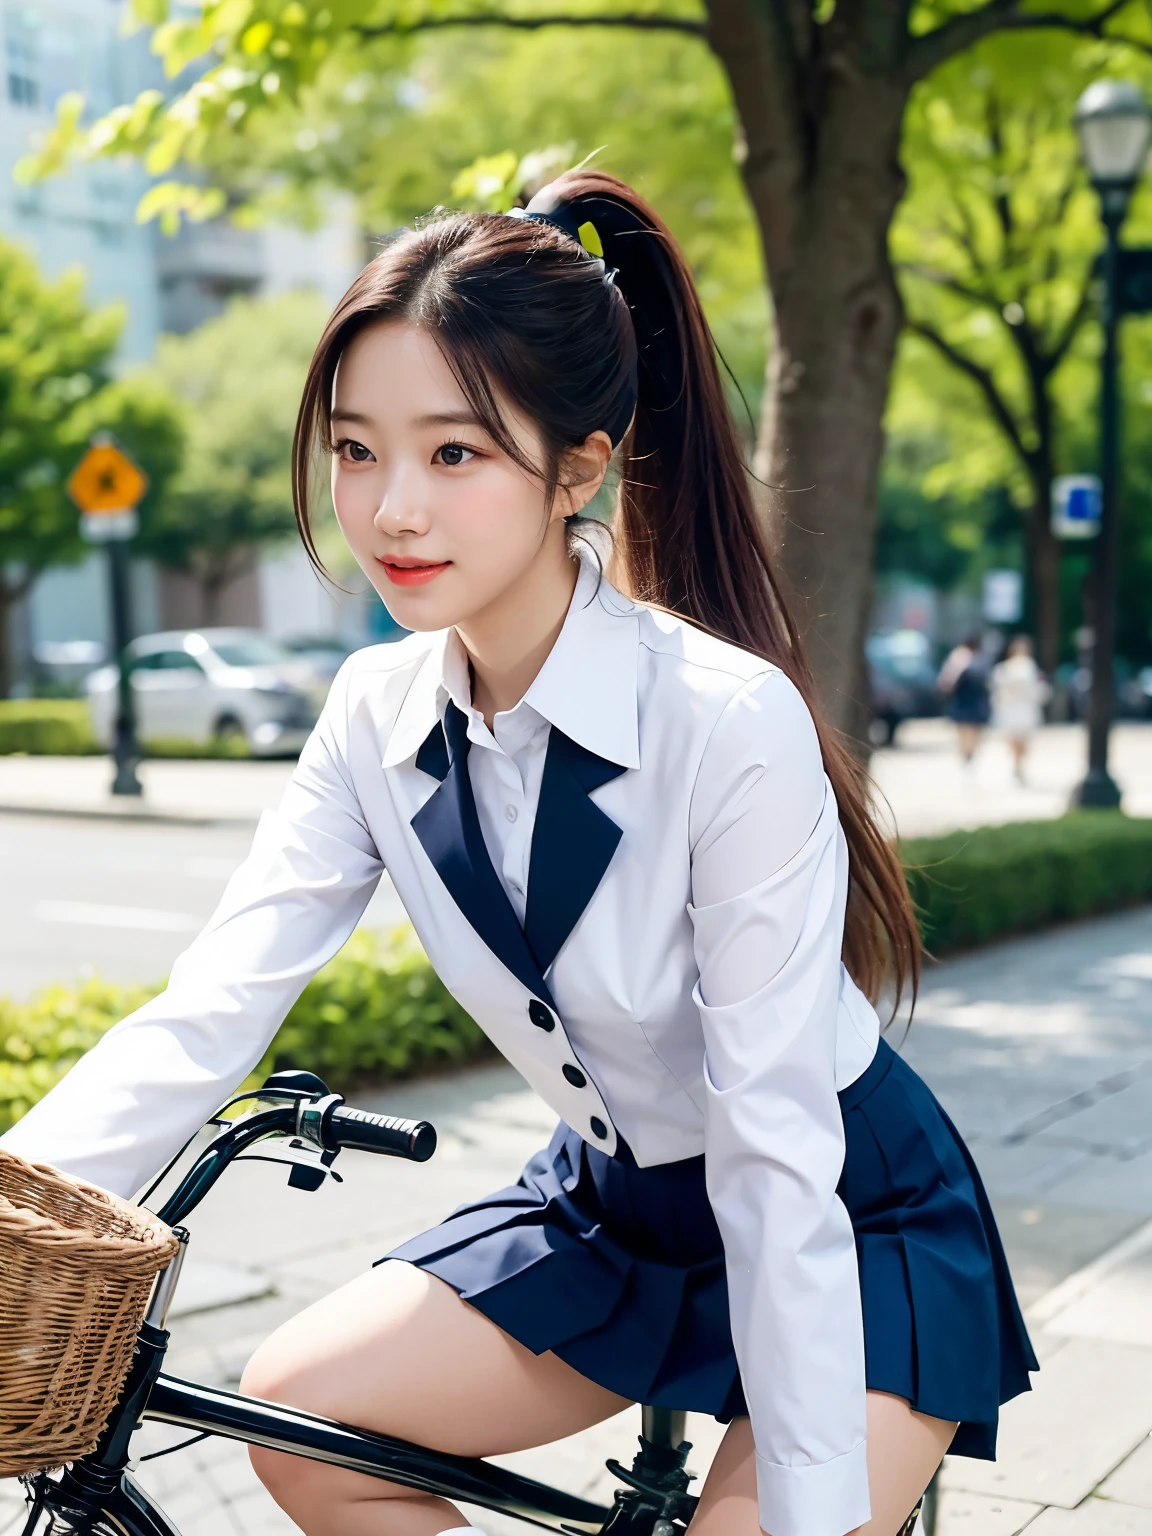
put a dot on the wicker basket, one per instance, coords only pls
(76, 1269)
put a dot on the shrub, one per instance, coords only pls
(56, 727)
(183, 747)
(377, 1009)
(970, 887)
(40, 1040)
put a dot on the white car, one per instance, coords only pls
(205, 686)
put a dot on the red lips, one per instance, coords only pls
(408, 574)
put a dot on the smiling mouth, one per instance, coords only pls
(409, 575)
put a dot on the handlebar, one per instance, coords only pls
(313, 1115)
(356, 1128)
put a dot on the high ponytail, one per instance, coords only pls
(524, 315)
(688, 537)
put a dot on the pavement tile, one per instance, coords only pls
(1118, 1307)
(1046, 1243)
(1095, 1517)
(1131, 1483)
(1109, 1184)
(1117, 1124)
(976, 1514)
(1090, 1407)
(1028, 1169)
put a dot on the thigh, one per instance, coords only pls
(904, 1450)
(399, 1353)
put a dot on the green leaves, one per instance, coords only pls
(169, 201)
(55, 355)
(237, 383)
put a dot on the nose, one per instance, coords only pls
(402, 508)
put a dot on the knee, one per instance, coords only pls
(273, 1375)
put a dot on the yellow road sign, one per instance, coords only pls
(106, 481)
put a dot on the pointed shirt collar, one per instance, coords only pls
(586, 687)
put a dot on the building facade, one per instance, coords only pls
(87, 218)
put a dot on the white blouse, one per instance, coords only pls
(658, 817)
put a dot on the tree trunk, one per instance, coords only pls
(824, 207)
(11, 593)
(6, 609)
(1044, 560)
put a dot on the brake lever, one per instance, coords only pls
(305, 1172)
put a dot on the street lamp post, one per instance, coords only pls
(1114, 124)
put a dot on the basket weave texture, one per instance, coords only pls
(76, 1269)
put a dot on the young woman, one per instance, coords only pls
(1019, 693)
(635, 855)
(963, 680)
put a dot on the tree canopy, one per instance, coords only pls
(995, 246)
(56, 390)
(238, 380)
(813, 95)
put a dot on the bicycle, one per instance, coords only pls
(98, 1496)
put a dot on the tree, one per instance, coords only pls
(55, 392)
(820, 88)
(994, 245)
(238, 379)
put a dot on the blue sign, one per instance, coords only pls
(1077, 504)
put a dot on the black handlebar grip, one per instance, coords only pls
(356, 1128)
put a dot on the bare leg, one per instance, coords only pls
(969, 738)
(1019, 745)
(904, 1450)
(398, 1352)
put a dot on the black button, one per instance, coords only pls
(599, 1128)
(574, 1075)
(540, 1016)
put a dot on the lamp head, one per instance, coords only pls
(1114, 125)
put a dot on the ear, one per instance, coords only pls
(582, 473)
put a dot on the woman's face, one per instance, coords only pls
(440, 520)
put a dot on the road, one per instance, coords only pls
(121, 898)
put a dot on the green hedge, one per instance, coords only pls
(46, 727)
(377, 1010)
(970, 887)
(63, 728)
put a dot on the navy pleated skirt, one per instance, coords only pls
(620, 1270)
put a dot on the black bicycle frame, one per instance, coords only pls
(277, 1428)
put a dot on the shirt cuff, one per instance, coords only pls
(827, 1498)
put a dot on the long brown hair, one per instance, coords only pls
(523, 313)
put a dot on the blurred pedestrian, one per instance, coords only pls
(1019, 692)
(963, 680)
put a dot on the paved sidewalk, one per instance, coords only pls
(922, 778)
(930, 790)
(180, 791)
(1041, 1049)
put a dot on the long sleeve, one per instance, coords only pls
(158, 1075)
(769, 891)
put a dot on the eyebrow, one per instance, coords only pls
(449, 419)
(441, 419)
